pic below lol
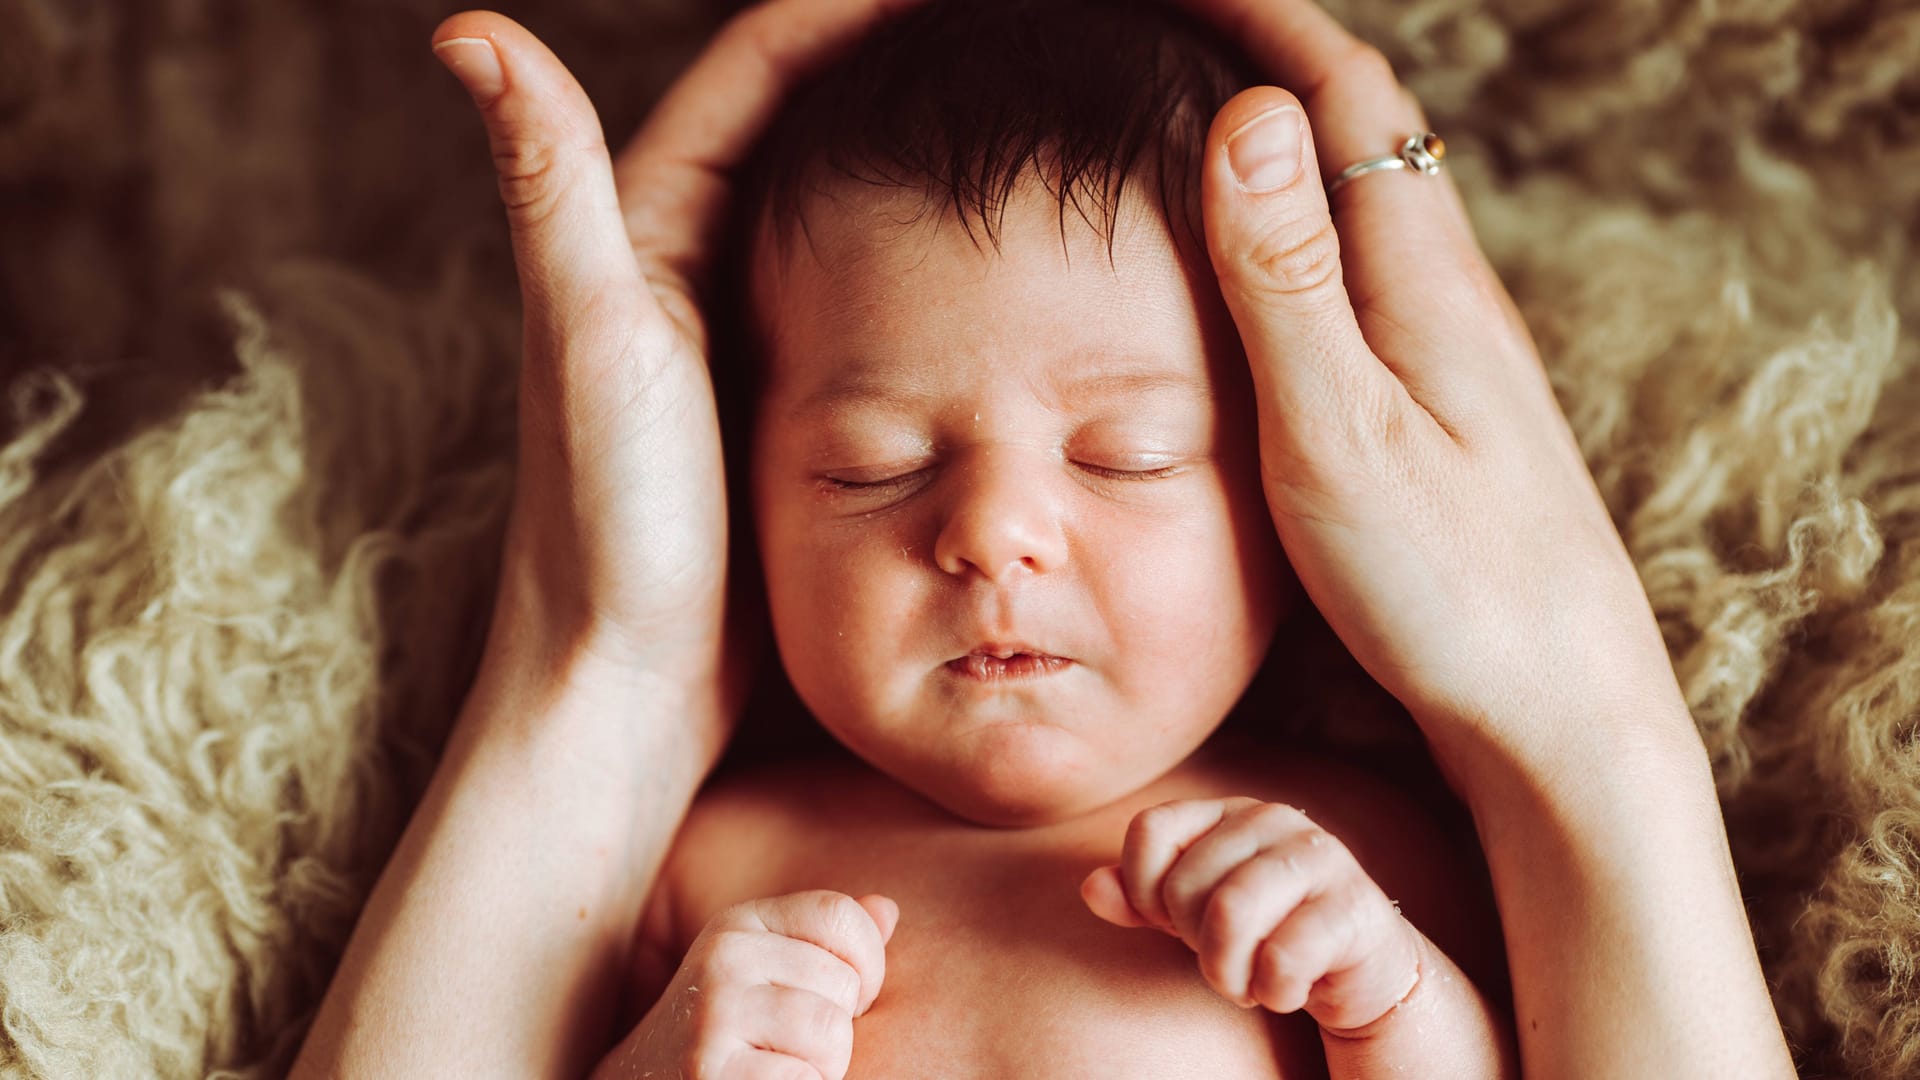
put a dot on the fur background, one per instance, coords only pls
(258, 341)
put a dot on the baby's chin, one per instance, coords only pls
(1022, 776)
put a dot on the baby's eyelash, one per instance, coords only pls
(868, 485)
(896, 481)
(1133, 474)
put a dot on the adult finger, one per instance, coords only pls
(1359, 107)
(555, 178)
(1423, 293)
(1278, 261)
(675, 175)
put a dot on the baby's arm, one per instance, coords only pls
(1283, 916)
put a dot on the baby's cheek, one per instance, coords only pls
(1191, 615)
(859, 615)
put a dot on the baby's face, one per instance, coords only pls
(959, 453)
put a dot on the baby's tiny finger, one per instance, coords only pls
(753, 1063)
(1257, 830)
(1243, 912)
(835, 922)
(801, 1024)
(1155, 840)
(1345, 957)
(1294, 957)
(801, 965)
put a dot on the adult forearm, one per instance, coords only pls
(495, 939)
(1627, 941)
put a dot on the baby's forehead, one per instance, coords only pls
(861, 257)
(846, 228)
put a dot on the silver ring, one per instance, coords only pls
(1424, 152)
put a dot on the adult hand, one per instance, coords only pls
(1424, 482)
(1437, 510)
(617, 537)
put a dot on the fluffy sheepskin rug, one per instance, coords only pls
(258, 340)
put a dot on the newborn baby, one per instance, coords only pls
(1005, 485)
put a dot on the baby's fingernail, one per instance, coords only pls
(1265, 151)
(475, 64)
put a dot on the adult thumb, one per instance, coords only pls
(556, 178)
(1277, 256)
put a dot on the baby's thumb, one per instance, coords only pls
(1107, 898)
(886, 913)
(569, 238)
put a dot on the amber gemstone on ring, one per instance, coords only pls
(1436, 146)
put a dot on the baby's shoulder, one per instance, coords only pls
(742, 820)
(748, 817)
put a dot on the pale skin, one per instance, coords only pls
(1418, 471)
(1001, 462)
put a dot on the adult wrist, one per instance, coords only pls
(1487, 762)
(538, 673)
(1605, 841)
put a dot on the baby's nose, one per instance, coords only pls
(1003, 516)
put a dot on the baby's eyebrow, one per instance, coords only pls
(859, 388)
(1137, 381)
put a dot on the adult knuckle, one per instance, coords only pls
(1366, 62)
(531, 177)
(1296, 257)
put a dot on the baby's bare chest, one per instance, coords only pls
(996, 968)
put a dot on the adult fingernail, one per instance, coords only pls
(475, 64)
(1265, 151)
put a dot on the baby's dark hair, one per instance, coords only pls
(965, 98)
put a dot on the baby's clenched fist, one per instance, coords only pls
(1278, 910)
(769, 989)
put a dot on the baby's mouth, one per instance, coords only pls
(988, 667)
